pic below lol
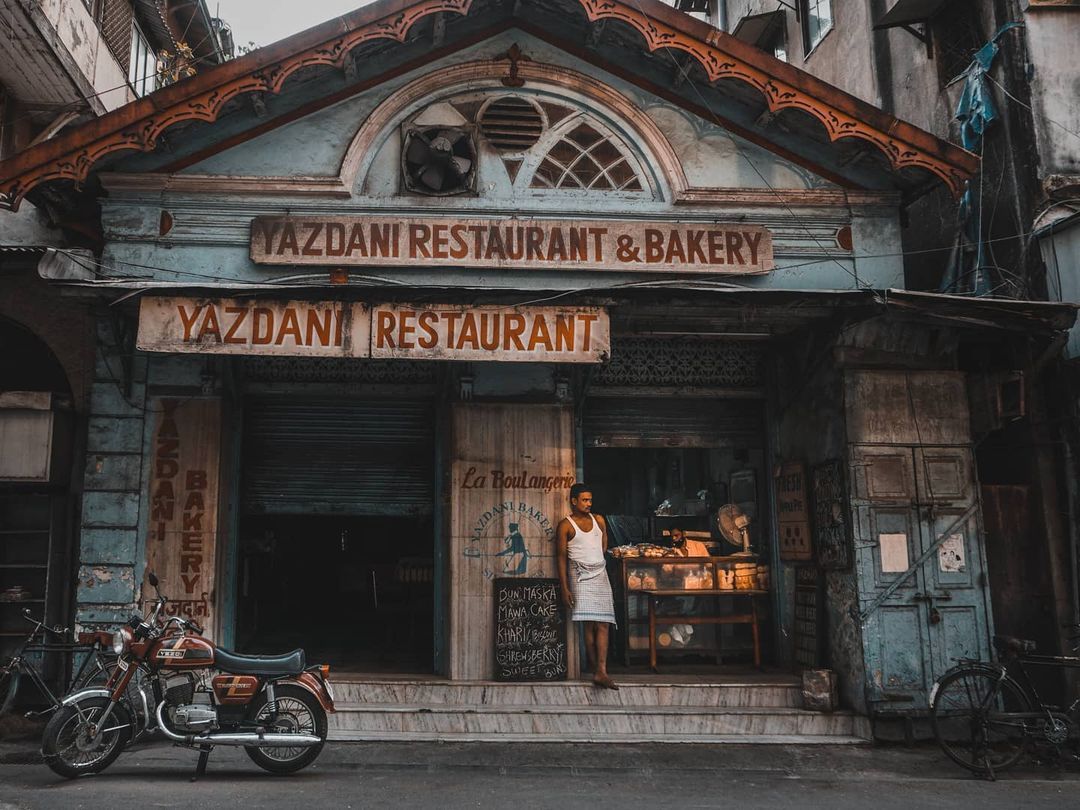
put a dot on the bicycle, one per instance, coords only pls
(985, 719)
(94, 670)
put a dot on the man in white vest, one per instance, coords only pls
(581, 541)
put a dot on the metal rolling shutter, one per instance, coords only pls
(338, 456)
(673, 422)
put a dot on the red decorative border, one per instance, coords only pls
(138, 125)
(722, 64)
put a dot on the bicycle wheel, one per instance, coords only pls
(9, 686)
(978, 719)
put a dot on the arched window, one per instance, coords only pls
(586, 158)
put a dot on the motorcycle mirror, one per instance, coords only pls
(152, 579)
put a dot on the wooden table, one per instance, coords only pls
(750, 618)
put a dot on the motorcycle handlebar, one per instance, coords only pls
(184, 623)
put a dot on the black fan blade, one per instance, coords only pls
(418, 151)
(433, 177)
(461, 165)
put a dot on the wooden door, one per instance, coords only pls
(512, 466)
(915, 503)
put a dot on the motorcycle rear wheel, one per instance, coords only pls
(298, 711)
(66, 746)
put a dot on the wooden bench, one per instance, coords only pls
(750, 618)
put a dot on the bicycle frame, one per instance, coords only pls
(19, 665)
(1019, 662)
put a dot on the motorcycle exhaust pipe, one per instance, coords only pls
(250, 738)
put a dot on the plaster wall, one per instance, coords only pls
(28, 300)
(74, 30)
(1055, 87)
(210, 232)
(316, 145)
(811, 429)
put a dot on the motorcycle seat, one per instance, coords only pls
(289, 664)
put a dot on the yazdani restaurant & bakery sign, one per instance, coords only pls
(350, 329)
(529, 244)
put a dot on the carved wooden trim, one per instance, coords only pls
(138, 125)
(478, 75)
(779, 95)
(818, 197)
(206, 105)
(224, 184)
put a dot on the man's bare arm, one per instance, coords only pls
(603, 530)
(562, 537)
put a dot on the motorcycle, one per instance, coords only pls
(169, 679)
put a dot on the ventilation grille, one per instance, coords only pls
(511, 124)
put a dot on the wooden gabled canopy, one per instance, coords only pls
(719, 59)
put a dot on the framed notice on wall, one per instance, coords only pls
(793, 513)
(530, 630)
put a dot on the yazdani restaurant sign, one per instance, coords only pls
(513, 244)
(402, 331)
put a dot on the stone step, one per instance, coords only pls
(567, 723)
(778, 694)
(599, 738)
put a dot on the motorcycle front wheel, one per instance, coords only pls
(298, 712)
(67, 745)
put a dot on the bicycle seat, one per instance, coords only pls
(1013, 644)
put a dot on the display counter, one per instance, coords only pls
(667, 604)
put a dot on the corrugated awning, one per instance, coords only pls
(909, 12)
(756, 29)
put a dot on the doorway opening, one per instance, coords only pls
(337, 531)
(355, 592)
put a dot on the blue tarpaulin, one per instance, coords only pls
(975, 112)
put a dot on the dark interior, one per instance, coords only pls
(354, 592)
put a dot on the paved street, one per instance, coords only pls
(447, 776)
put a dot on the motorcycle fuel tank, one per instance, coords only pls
(182, 652)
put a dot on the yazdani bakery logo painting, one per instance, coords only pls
(512, 536)
(508, 535)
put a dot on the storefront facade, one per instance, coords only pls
(373, 339)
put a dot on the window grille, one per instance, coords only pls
(585, 158)
(682, 361)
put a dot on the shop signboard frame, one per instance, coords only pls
(398, 331)
(634, 246)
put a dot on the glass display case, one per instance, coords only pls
(685, 622)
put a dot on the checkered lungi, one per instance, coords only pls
(593, 601)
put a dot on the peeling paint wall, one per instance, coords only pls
(811, 429)
(112, 482)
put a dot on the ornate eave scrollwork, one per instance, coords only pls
(139, 125)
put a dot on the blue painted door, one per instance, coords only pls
(913, 503)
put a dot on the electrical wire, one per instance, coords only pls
(98, 266)
(1030, 109)
(684, 70)
(74, 105)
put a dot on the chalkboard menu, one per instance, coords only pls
(530, 630)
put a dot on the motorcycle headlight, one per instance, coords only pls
(121, 639)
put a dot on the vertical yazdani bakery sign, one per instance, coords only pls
(678, 247)
(181, 544)
(383, 331)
